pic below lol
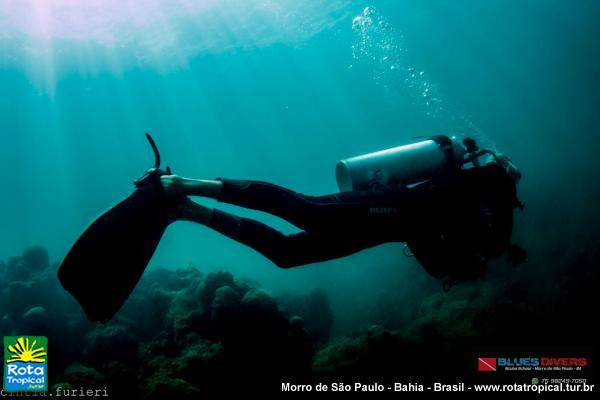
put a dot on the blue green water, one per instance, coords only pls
(279, 91)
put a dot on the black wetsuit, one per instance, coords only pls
(450, 224)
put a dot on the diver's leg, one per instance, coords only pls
(365, 210)
(287, 204)
(187, 210)
(385, 212)
(177, 185)
(285, 251)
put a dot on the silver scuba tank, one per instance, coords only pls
(411, 163)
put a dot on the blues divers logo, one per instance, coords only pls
(25, 364)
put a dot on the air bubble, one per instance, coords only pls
(368, 11)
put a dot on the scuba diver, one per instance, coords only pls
(450, 202)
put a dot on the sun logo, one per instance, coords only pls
(25, 351)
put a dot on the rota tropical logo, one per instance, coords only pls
(25, 363)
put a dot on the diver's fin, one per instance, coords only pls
(106, 262)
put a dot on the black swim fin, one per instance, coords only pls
(106, 262)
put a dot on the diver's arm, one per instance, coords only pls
(179, 186)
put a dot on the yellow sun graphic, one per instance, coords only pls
(26, 352)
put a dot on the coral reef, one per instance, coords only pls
(183, 333)
(316, 313)
(537, 306)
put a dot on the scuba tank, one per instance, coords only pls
(408, 164)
